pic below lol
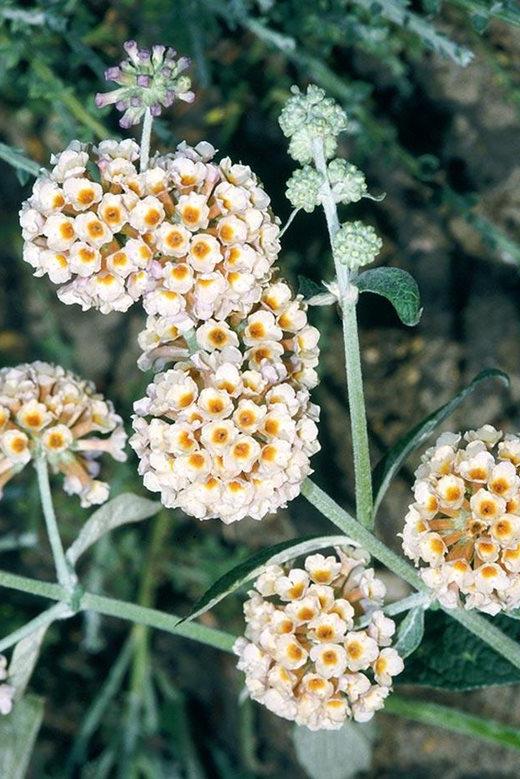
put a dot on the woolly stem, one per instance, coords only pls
(65, 577)
(145, 140)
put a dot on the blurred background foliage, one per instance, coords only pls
(432, 90)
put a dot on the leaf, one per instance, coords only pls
(397, 286)
(451, 657)
(410, 632)
(252, 567)
(122, 510)
(23, 660)
(308, 288)
(388, 466)
(336, 754)
(18, 733)
(18, 160)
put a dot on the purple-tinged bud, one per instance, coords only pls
(188, 97)
(168, 99)
(101, 100)
(122, 105)
(130, 47)
(144, 54)
(158, 54)
(170, 54)
(125, 122)
(155, 109)
(183, 63)
(112, 74)
(136, 102)
(166, 72)
(143, 81)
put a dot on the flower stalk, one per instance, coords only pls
(356, 400)
(66, 577)
(146, 135)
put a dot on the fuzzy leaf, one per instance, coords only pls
(386, 468)
(410, 632)
(24, 658)
(336, 754)
(122, 510)
(308, 288)
(397, 286)
(452, 658)
(252, 567)
(18, 733)
(18, 160)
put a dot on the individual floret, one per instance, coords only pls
(302, 654)
(45, 411)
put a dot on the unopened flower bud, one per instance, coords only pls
(311, 115)
(347, 182)
(303, 188)
(356, 244)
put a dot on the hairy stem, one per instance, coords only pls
(65, 577)
(145, 140)
(454, 720)
(110, 607)
(356, 400)
(58, 611)
(476, 623)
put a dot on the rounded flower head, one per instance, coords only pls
(150, 79)
(192, 238)
(356, 244)
(302, 655)
(229, 431)
(464, 527)
(45, 411)
(308, 115)
(6, 690)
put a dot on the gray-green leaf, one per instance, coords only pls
(18, 160)
(410, 632)
(386, 468)
(252, 567)
(24, 658)
(397, 286)
(335, 754)
(18, 733)
(122, 510)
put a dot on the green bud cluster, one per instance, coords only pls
(356, 244)
(303, 188)
(311, 115)
(347, 182)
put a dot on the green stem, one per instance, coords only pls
(476, 623)
(356, 400)
(453, 720)
(65, 577)
(58, 611)
(145, 140)
(358, 420)
(111, 607)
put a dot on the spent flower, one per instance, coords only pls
(148, 79)
(45, 411)
(302, 654)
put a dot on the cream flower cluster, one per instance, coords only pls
(194, 239)
(302, 655)
(6, 690)
(464, 526)
(228, 432)
(47, 411)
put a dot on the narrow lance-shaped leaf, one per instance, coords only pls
(410, 632)
(122, 510)
(397, 286)
(252, 567)
(386, 469)
(18, 733)
(18, 160)
(24, 658)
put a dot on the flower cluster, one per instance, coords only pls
(48, 412)
(6, 690)
(311, 115)
(147, 79)
(356, 244)
(193, 238)
(302, 655)
(465, 522)
(228, 431)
